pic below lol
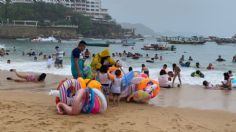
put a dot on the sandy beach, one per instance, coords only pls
(27, 107)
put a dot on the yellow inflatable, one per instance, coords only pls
(111, 72)
(147, 82)
(88, 83)
(96, 62)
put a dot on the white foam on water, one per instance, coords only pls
(39, 67)
(2, 46)
(213, 76)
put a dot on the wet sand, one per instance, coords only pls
(27, 107)
(197, 97)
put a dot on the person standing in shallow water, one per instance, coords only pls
(77, 59)
(176, 71)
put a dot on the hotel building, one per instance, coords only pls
(92, 8)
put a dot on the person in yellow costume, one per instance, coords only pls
(102, 58)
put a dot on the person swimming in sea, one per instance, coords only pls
(197, 74)
(210, 66)
(220, 59)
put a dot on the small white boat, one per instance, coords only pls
(48, 39)
(128, 42)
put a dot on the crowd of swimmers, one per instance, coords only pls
(135, 56)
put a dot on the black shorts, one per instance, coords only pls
(116, 94)
(106, 89)
(58, 62)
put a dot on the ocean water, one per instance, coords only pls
(204, 54)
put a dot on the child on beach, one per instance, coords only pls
(105, 82)
(49, 62)
(116, 87)
(30, 77)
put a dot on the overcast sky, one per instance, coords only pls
(205, 17)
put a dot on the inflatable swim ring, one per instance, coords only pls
(145, 83)
(67, 90)
(102, 99)
(141, 96)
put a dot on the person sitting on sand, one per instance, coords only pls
(227, 81)
(164, 79)
(30, 77)
(76, 107)
(164, 68)
(220, 59)
(210, 66)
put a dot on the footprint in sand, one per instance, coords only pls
(147, 123)
(227, 124)
(129, 123)
(189, 127)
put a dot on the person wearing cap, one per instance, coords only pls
(77, 62)
(102, 58)
(59, 57)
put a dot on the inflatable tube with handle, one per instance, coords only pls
(103, 100)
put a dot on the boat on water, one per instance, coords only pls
(159, 47)
(22, 39)
(48, 39)
(221, 41)
(186, 41)
(96, 42)
(128, 42)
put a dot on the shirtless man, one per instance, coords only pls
(176, 71)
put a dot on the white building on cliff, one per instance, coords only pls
(92, 8)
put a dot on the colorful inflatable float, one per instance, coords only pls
(94, 101)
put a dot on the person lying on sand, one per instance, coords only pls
(30, 77)
(75, 108)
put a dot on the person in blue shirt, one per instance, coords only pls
(77, 62)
